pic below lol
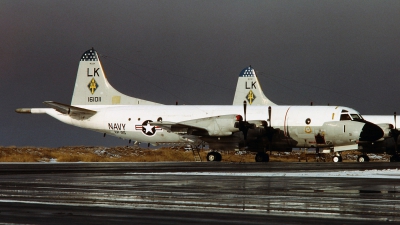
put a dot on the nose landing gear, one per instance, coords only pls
(395, 158)
(262, 157)
(363, 158)
(337, 158)
(214, 156)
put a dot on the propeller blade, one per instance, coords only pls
(269, 116)
(244, 108)
(244, 127)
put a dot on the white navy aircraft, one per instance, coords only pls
(97, 106)
(248, 89)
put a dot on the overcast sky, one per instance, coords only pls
(337, 52)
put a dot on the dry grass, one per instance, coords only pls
(92, 154)
(130, 154)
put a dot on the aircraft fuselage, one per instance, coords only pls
(297, 126)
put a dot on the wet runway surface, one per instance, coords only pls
(200, 193)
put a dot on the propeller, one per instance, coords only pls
(243, 125)
(269, 115)
(244, 109)
(269, 130)
(394, 132)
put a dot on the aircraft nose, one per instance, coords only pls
(371, 132)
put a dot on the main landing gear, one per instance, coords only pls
(363, 158)
(337, 158)
(214, 156)
(360, 158)
(395, 158)
(262, 157)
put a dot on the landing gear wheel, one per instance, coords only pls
(363, 158)
(214, 156)
(395, 158)
(211, 157)
(337, 158)
(219, 156)
(266, 158)
(258, 157)
(262, 157)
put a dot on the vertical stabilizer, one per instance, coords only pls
(248, 89)
(92, 87)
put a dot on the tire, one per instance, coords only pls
(262, 157)
(266, 158)
(361, 159)
(395, 158)
(211, 157)
(214, 157)
(258, 157)
(337, 159)
(218, 156)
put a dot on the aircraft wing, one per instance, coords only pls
(223, 125)
(73, 111)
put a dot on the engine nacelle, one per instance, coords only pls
(386, 127)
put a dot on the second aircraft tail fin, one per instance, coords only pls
(248, 89)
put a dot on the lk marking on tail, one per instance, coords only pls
(253, 85)
(95, 72)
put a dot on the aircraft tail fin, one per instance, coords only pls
(93, 88)
(248, 89)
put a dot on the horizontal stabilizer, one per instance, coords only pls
(73, 111)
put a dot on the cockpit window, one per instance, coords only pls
(345, 117)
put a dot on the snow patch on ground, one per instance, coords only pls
(387, 174)
(53, 160)
(106, 152)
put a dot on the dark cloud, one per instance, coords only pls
(337, 52)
